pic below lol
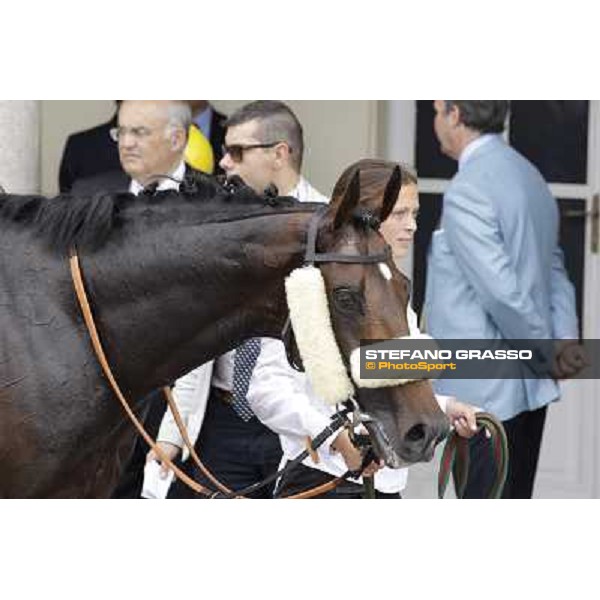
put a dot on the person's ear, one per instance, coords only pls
(454, 115)
(282, 154)
(178, 139)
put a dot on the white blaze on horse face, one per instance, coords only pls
(385, 271)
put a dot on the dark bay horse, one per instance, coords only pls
(174, 280)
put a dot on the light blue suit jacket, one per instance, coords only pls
(496, 272)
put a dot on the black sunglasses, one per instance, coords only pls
(236, 151)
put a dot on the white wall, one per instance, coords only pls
(19, 146)
(337, 133)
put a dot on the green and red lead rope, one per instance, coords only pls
(455, 458)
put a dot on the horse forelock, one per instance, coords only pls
(366, 218)
(88, 222)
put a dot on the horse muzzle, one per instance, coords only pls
(418, 444)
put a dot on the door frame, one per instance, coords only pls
(399, 132)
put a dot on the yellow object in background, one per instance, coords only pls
(198, 152)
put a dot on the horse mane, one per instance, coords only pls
(64, 221)
(87, 222)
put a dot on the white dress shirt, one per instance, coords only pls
(304, 192)
(164, 184)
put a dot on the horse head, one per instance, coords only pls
(367, 299)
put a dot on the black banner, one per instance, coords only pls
(422, 358)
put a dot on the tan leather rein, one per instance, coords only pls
(101, 356)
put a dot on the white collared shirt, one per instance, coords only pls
(478, 142)
(304, 192)
(165, 184)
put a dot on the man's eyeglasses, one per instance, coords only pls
(236, 151)
(116, 133)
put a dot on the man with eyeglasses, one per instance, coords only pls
(151, 136)
(264, 146)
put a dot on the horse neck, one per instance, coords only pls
(202, 291)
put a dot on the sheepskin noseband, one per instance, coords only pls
(311, 322)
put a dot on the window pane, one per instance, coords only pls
(553, 135)
(429, 158)
(572, 241)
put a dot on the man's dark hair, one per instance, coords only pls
(485, 116)
(277, 123)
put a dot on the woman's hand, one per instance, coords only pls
(462, 417)
(352, 455)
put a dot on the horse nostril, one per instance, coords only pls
(416, 433)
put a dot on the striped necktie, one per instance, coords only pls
(244, 362)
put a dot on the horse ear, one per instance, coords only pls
(390, 197)
(344, 208)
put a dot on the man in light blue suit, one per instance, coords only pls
(496, 272)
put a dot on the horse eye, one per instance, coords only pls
(347, 300)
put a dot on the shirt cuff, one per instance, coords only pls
(315, 425)
(168, 432)
(442, 401)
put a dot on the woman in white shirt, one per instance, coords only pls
(284, 400)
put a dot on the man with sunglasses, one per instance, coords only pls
(264, 146)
